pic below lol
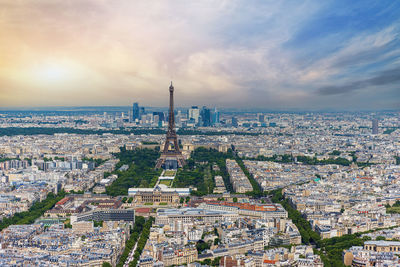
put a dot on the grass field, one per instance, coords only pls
(169, 173)
(166, 182)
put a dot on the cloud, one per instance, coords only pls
(387, 77)
(267, 53)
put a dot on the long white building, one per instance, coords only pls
(189, 215)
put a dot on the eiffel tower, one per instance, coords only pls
(171, 157)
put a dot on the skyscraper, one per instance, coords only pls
(234, 122)
(194, 114)
(375, 126)
(142, 111)
(130, 115)
(215, 117)
(135, 112)
(205, 116)
(160, 115)
(260, 117)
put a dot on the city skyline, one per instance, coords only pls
(333, 55)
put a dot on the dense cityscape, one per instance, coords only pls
(200, 133)
(256, 189)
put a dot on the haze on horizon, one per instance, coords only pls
(262, 54)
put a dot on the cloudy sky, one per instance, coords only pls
(264, 54)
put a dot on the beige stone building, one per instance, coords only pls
(156, 197)
(383, 246)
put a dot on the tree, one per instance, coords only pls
(97, 223)
(201, 246)
(397, 160)
(141, 231)
(235, 199)
(215, 261)
(106, 264)
(198, 171)
(140, 172)
(34, 212)
(335, 153)
(257, 190)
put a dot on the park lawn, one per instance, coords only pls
(169, 173)
(166, 182)
(393, 210)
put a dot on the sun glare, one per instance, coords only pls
(51, 73)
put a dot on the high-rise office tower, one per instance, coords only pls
(159, 114)
(135, 111)
(142, 111)
(215, 117)
(260, 117)
(156, 119)
(130, 115)
(375, 126)
(194, 114)
(178, 118)
(205, 116)
(234, 122)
